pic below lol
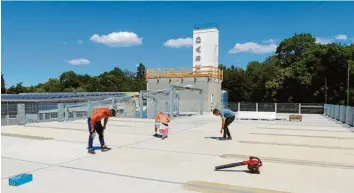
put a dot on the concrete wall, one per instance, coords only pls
(206, 47)
(186, 102)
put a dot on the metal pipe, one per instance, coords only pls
(201, 102)
(171, 101)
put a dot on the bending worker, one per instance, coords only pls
(227, 117)
(95, 125)
(161, 123)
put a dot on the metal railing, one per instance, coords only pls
(295, 108)
(21, 113)
(344, 114)
(176, 100)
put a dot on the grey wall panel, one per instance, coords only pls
(186, 100)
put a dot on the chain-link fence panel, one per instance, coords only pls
(288, 108)
(266, 107)
(248, 106)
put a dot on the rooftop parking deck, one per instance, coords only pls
(312, 156)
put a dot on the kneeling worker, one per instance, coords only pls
(227, 117)
(161, 123)
(95, 125)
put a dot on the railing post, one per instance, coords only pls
(74, 115)
(21, 114)
(256, 107)
(7, 119)
(201, 102)
(141, 104)
(238, 106)
(275, 107)
(299, 108)
(60, 112)
(114, 106)
(155, 107)
(66, 110)
(89, 109)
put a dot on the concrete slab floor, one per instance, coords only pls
(315, 155)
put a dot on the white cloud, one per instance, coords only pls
(270, 41)
(341, 37)
(118, 39)
(80, 61)
(253, 47)
(179, 43)
(80, 41)
(324, 40)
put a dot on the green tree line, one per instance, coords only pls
(115, 80)
(301, 70)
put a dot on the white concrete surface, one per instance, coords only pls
(315, 155)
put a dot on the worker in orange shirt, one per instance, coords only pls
(95, 125)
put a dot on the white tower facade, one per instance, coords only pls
(206, 47)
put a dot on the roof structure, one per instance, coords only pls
(138, 161)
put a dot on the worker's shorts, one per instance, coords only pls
(163, 128)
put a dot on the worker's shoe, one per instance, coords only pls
(105, 148)
(229, 138)
(91, 150)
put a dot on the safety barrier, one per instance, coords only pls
(22, 113)
(344, 114)
(293, 108)
(255, 115)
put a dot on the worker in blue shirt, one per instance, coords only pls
(227, 117)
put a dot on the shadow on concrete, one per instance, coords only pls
(244, 171)
(157, 135)
(96, 148)
(216, 138)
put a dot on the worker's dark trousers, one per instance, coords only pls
(97, 128)
(228, 121)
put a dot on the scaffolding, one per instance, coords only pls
(184, 72)
(124, 106)
(177, 101)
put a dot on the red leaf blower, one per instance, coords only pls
(253, 165)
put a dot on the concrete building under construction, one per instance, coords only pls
(203, 74)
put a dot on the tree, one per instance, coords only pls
(69, 80)
(93, 85)
(17, 89)
(140, 72)
(3, 88)
(52, 85)
(291, 49)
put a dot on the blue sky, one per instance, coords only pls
(40, 40)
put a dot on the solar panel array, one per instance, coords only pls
(44, 96)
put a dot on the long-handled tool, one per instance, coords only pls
(253, 165)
